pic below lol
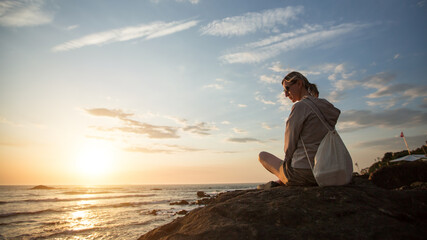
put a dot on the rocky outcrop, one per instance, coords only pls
(42, 187)
(399, 175)
(360, 210)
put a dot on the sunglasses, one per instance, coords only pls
(287, 88)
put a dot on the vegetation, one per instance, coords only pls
(388, 156)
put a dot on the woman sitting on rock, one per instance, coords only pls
(303, 123)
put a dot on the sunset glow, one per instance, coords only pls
(95, 158)
(180, 91)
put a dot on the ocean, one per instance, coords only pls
(96, 212)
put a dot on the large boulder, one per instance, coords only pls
(359, 210)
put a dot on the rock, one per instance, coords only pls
(399, 175)
(42, 187)
(182, 202)
(204, 201)
(202, 194)
(182, 212)
(360, 210)
(156, 189)
(153, 212)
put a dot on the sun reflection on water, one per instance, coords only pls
(83, 219)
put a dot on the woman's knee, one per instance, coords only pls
(262, 156)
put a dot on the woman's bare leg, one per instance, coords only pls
(271, 162)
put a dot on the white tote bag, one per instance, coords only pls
(333, 165)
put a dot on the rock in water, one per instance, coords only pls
(359, 210)
(202, 194)
(182, 202)
(42, 187)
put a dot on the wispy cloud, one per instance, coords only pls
(200, 128)
(265, 126)
(133, 126)
(252, 22)
(219, 84)
(401, 117)
(166, 148)
(24, 13)
(104, 112)
(306, 37)
(240, 131)
(384, 86)
(189, 1)
(260, 98)
(243, 140)
(145, 31)
(394, 143)
(272, 79)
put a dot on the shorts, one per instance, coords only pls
(296, 176)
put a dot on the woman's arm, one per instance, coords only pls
(294, 126)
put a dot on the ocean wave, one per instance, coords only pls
(74, 233)
(115, 205)
(84, 192)
(80, 199)
(13, 214)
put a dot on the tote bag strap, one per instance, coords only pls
(306, 153)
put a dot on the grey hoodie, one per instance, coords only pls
(304, 123)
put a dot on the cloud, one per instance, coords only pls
(146, 31)
(133, 126)
(378, 80)
(396, 92)
(394, 143)
(240, 131)
(260, 98)
(251, 22)
(241, 105)
(272, 79)
(152, 131)
(396, 56)
(200, 128)
(265, 126)
(215, 86)
(220, 83)
(104, 112)
(72, 27)
(357, 119)
(190, 1)
(424, 104)
(243, 140)
(306, 37)
(277, 67)
(166, 148)
(23, 13)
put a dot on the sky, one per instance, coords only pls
(188, 91)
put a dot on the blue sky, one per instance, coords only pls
(189, 91)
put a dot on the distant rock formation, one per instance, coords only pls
(42, 187)
(360, 210)
(202, 194)
(182, 202)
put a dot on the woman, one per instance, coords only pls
(302, 123)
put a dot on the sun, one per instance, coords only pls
(94, 158)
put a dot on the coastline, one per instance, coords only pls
(360, 210)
